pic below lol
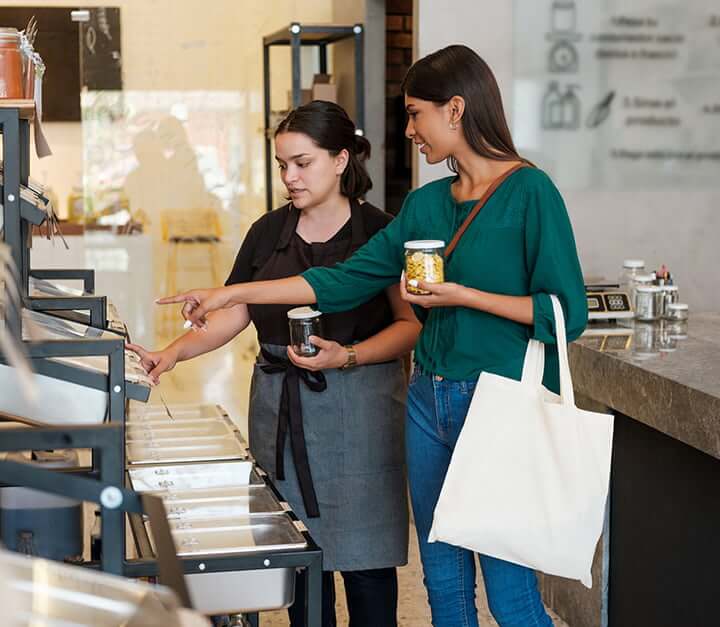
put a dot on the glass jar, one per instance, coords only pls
(11, 68)
(304, 322)
(677, 311)
(631, 268)
(648, 302)
(670, 296)
(424, 262)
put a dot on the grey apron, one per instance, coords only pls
(354, 438)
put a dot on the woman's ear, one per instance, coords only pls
(456, 108)
(341, 161)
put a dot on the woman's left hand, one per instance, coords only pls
(441, 294)
(331, 355)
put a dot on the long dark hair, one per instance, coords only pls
(330, 128)
(459, 71)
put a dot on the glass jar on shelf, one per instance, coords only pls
(11, 66)
(648, 303)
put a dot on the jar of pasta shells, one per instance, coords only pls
(424, 262)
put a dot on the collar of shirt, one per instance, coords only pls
(357, 226)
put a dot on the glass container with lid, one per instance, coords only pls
(424, 262)
(677, 311)
(648, 302)
(670, 295)
(631, 268)
(304, 322)
(11, 67)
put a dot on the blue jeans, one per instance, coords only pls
(436, 410)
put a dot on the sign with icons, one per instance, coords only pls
(615, 96)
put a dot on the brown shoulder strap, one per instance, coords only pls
(479, 205)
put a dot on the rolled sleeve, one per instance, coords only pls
(553, 264)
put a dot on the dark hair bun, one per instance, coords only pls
(362, 147)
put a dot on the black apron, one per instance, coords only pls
(333, 442)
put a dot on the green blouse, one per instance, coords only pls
(521, 243)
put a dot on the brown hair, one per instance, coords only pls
(459, 71)
(330, 128)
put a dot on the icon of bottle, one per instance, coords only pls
(564, 16)
(552, 116)
(571, 108)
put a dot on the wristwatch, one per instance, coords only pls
(351, 358)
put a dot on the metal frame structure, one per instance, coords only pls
(103, 487)
(19, 216)
(295, 36)
(309, 558)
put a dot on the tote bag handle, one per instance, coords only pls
(534, 364)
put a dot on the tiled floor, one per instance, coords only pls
(223, 377)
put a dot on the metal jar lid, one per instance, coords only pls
(669, 288)
(644, 278)
(422, 244)
(9, 35)
(653, 289)
(634, 263)
(303, 313)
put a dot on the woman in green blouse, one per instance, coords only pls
(517, 251)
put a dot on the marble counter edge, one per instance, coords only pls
(679, 411)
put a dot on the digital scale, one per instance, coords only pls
(607, 302)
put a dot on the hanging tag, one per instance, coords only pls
(42, 148)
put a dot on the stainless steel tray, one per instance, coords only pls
(42, 592)
(241, 591)
(179, 412)
(169, 430)
(245, 534)
(173, 478)
(40, 326)
(185, 450)
(220, 503)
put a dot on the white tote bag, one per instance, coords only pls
(529, 477)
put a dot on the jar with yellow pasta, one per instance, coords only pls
(424, 262)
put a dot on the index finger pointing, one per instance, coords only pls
(178, 298)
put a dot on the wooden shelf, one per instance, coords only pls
(27, 107)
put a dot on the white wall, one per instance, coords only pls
(679, 228)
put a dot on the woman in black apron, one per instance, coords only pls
(328, 429)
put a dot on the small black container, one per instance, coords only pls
(304, 322)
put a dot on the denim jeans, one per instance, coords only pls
(436, 410)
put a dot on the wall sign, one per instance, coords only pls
(619, 95)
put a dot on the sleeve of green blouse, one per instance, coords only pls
(374, 266)
(553, 263)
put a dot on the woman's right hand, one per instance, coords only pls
(155, 363)
(198, 303)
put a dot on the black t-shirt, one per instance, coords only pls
(273, 250)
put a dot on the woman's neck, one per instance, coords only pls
(320, 222)
(476, 173)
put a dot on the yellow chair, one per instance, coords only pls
(196, 227)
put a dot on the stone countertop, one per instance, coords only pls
(664, 375)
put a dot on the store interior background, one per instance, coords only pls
(190, 137)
